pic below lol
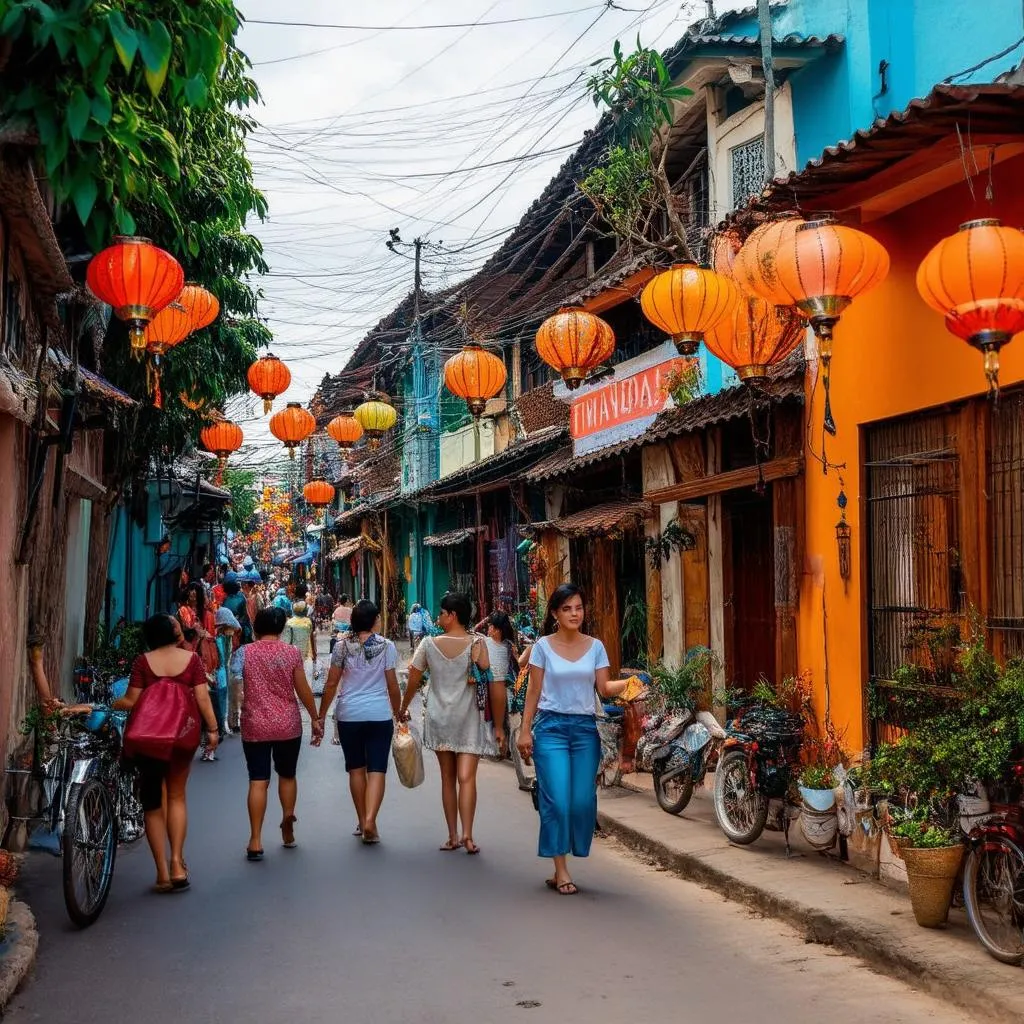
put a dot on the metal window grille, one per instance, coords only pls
(747, 170)
(1006, 519)
(913, 525)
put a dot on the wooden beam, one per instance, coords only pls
(604, 601)
(657, 472)
(787, 560)
(716, 567)
(718, 483)
(695, 579)
(619, 293)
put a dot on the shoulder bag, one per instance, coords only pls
(163, 722)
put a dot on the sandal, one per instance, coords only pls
(358, 831)
(288, 832)
(450, 845)
(370, 838)
(180, 884)
(253, 855)
(471, 848)
(162, 888)
(567, 888)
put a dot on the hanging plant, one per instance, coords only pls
(674, 538)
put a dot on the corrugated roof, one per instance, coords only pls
(610, 520)
(452, 537)
(347, 547)
(793, 41)
(787, 385)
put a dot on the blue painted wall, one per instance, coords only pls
(923, 41)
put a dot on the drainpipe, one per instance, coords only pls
(764, 20)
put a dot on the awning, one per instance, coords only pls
(452, 537)
(610, 520)
(348, 546)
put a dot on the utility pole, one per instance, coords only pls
(764, 19)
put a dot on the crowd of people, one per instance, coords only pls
(241, 644)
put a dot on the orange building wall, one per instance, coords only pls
(891, 356)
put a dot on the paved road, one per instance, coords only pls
(403, 933)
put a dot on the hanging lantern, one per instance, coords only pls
(376, 416)
(686, 301)
(825, 267)
(169, 327)
(755, 268)
(725, 247)
(476, 376)
(137, 279)
(975, 278)
(292, 425)
(318, 493)
(222, 438)
(755, 336)
(574, 342)
(345, 429)
(202, 306)
(269, 377)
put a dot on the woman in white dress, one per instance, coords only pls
(454, 726)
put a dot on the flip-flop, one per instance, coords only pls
(254, 855)
(371, 840)
(162, 888)
(288, 832)
(568, 888)
(449, 846)
(467, 843)
(358, 832)
(180, 884)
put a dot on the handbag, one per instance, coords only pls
(209, 655)
(407, 751)
(163, 722)
(481, 678)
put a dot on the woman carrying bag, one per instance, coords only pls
(559, 731)
(162, 736)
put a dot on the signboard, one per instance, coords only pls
(625, 405)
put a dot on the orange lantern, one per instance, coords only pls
(574, 342)
(137, 279)
(222, 438)
(725, 247)
(475, 375)
(686, 301)
(755, 268)
(345, 429)
(292, 425)
(269, 377)
(318, 493)
(755, 336)
(975, 278)
(202, 306)
(825, 266)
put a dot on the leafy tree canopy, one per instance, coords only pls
(245, 499)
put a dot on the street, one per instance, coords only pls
(401, 932)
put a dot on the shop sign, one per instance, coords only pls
(623, 407)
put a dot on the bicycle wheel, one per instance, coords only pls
(994, 897)
(89, 847)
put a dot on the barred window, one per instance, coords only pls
(747, 162)
(1006, 525)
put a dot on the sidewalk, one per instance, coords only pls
(830, 902)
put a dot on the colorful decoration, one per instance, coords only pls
(318, 493)
(202, 306)
(345, 429)
(825, 266)
(975, 279)
(192, 401)
(269, 377)
(686, 301)
(573, 342)
(755, 336)
(137, 280)
(292, 425)
(475, 375)
(755, 268)
(376, 416)
(222, 438)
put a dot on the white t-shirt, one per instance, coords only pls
(363, 693)
(497, 654)
(568, 687)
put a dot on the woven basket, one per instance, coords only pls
(930, 875)
(5, 902)
(897, 844)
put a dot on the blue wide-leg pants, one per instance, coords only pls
(567, 753)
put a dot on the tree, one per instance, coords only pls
(139, 108)
(245, 499)
(632, 184)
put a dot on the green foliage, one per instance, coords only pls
(817, 776)
(922, 831)
(115, 653)
(673, 538)
(634, 628)
(245, 499)
(683, 688)
(623, 189)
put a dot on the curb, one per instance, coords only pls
(874, 947)
(18, 952)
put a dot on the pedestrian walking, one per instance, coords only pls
(341, 619)
(364, 665)
(273, 677)
(300, 632)
(454, 725)
(228, 629)
(162, 784)
(559, 731)
(419, 624)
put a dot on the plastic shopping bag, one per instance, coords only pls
(407, 750)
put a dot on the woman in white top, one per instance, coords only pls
(364, 663)
(560, 733)
(454, 725)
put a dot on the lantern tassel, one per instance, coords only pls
(268, 404)
(158, 397)
(830, 423)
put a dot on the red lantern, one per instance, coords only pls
(269, 377)
(222, 438)
(345, 429)
(318, 493)
(137, 280)
(574, 342)
(975, 278)
(202, 306)
(292, 425)
(476, 376)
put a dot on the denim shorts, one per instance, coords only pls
(366, 745)
(284, 754)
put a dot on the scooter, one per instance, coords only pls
(682, 762)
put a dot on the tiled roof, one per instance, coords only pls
(787, 385)
(452, 537)
(539, 409)
(346, 547)
(610, 520)
(377, 501)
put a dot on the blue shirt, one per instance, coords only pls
(284, 604)
(568, 687)
(419, 621)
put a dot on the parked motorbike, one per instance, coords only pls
(759, 763)
(678, 748)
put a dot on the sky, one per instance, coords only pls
(443, 133)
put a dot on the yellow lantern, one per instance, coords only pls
(376, 416)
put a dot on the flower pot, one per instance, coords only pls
(818, 799)
(930, 875)
(819, 828)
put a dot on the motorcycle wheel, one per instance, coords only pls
(994, 897)
(675, 793)
(740, 809)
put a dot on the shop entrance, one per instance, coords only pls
(750, 593)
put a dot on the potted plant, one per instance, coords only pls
(932, 854)
(817, 785)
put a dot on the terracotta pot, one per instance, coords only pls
(930, 875)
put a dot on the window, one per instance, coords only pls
(1006, 526)
(747, 164)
